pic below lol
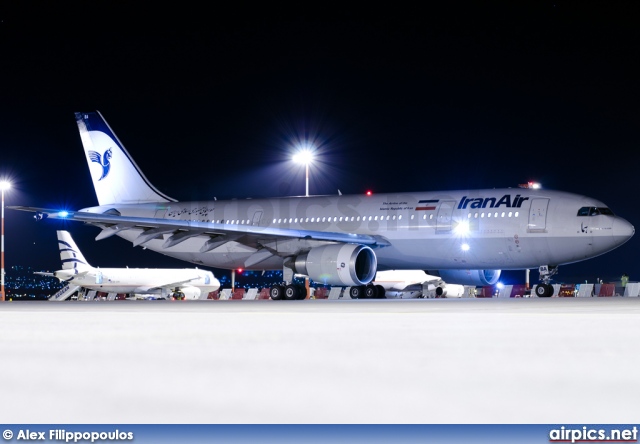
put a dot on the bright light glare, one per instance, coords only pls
(63, 213)
(535, 185)
(464, 247)
(4, 185)
(304, 156)
(500, 285)
(462, 227)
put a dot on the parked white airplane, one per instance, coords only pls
(410, 284)
(342, 240)
(187, 283)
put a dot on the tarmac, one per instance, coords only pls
(429, 361)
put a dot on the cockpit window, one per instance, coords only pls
(594, 211)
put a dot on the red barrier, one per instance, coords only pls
(519, 291)
(567, 291)
(264, 293)
(321, 293)
(238, 294)
(607, 290)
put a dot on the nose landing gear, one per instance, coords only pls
(545, 290)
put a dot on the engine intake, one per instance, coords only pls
(340, 264)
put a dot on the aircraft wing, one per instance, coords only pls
(245, 234)
(42, 273)
(169, 285)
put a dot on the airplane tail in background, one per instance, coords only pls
(70, 255)
(116, 177)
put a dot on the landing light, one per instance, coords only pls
(500, 285)
(464, 247)
(63, 213)
(462, 227)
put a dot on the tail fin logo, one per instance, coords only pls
(103, 161)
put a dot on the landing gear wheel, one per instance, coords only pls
(356, 292)
(380, 292)
(544, 291)
(291, 292)
(370, 292)
(302, 292)
(276, 292)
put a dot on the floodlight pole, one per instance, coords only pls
(307, 181)
(2, 253)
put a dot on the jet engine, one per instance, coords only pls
(341, 264)
(468, 277)
(450, 291)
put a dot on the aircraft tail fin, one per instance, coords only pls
(116, 177)
(70, 255)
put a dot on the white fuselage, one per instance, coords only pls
(478, 229)
(141, 280)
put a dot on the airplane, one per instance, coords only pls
(165, 283)
(467, 236)
(411, 284)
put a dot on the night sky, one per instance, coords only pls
(211, 102)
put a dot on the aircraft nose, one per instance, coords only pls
(623, 230)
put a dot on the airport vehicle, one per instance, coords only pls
(166, 283)
(468, 236)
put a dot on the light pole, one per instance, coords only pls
(304, 156)
(4, 185)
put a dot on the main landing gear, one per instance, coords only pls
(289, 292)
(545, 290)
(369, 291)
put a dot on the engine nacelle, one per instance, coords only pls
(342, 264)
(191, 293)
(468, 277)
(450, 291)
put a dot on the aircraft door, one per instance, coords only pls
(538, 215)
(256, 218)
(160, 214)
(99, 277)
(445, 216)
